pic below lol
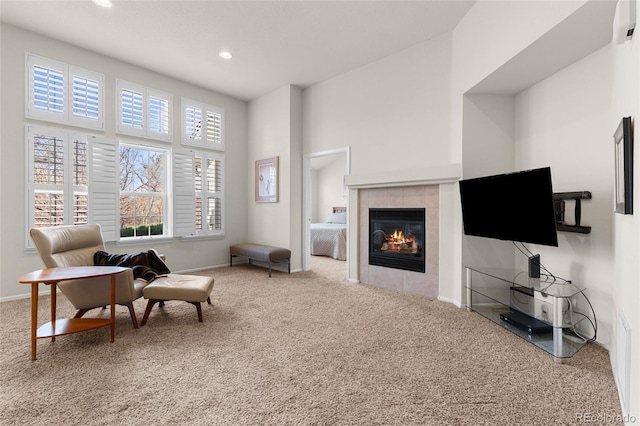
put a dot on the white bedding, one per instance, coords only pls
(329, 239)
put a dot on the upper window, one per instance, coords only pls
(143, 195)
(202, 125)
(64, 94)
(143, 111)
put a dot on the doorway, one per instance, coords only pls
(323, 188)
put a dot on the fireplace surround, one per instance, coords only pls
(397, 238)
(401, 197)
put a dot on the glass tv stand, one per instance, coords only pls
(492, 292)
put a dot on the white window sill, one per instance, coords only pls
(203, 237)
(143, 241)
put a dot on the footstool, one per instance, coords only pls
(193, 289)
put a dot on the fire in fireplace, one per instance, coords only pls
(397, 238)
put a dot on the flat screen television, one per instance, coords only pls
(513, 206)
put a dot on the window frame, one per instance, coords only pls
(147, 93)
(167, 210)
(68, 72)
(68, 188)
(204, 195)
(205, 141)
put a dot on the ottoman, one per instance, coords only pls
(193, 289)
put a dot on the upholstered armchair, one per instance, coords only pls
(63, 246)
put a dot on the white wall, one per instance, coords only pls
(564, 122)
(274, 129)
(181, 255)
(488, 148)
(624, 67)
(393, 113)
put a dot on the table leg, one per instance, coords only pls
(54, 291)
(113, 308)
(34, 319)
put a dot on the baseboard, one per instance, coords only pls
(202, 268)
(452, 301)
(45, 292)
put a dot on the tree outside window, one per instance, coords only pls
(142, 191)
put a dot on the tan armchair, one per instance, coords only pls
(62, 246)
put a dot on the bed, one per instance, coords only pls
(329, 238)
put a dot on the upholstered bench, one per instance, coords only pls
(193, 289)
(262, 253)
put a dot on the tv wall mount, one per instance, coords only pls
(559, 199)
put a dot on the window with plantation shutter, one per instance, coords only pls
(202, 125)
(199, 193)
(143, 111)
(62, 93)
(57, 184)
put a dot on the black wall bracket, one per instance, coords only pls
(559, 199)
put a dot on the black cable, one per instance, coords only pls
(594, 323)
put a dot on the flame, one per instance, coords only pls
(398, 237)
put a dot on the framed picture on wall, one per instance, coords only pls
(623, 139)
(267, 180)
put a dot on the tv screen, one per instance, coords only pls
(513, 206)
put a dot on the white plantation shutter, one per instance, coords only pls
(143, 111)
(184, 205)
(215, 193)
(48, 88)
(103, 195)
(87, 94)
(192, 123)
(46, 79)
(160, 115)
(215, 127)
(130, 98)
(202, 125)
(61, 93)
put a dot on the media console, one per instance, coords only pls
(536, 309)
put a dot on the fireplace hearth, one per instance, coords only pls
(397, 238)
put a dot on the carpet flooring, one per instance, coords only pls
(306, 348)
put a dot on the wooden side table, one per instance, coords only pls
(59, 327)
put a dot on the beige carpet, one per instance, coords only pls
(299, 349)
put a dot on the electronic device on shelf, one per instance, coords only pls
(525, 322)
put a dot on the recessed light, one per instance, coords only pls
(225, 55)
(103, 3)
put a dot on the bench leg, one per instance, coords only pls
(209, 300)
(148, 311)
(269, 269)
(199, 309)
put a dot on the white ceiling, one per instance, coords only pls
(274, 43)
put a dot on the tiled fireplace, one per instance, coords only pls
(398, 238)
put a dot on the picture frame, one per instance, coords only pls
(623, 141)
(266, 177)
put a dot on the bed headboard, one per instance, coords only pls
(339, 209)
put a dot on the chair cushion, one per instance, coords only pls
(189, 288)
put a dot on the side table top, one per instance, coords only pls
(54, 275)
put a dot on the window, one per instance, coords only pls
(143, 111)
(199, 193)
(64, 94)
(209, 193)
(143, 195)
(57, 184)
(202, 125)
